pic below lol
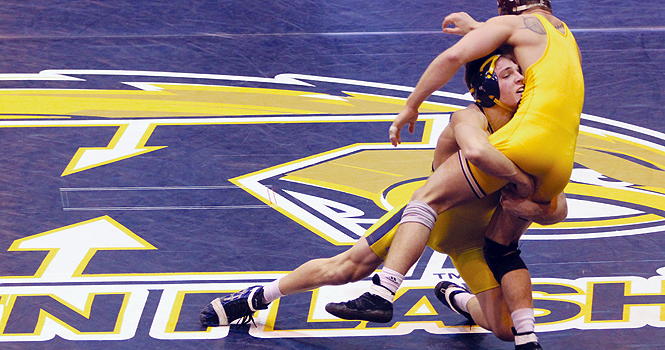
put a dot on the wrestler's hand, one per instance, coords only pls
(542, 213)
(409, 116)
(462, 23)
(521, 183)
(518, 206)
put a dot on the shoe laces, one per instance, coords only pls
(245, 320)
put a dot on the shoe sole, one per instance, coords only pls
(378, 316)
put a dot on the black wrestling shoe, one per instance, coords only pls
(445, 292)
(529, 346)
(243, 304)
(367, 307)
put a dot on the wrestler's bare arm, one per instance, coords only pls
(476, 44)
(470, 129)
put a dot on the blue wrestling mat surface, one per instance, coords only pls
(159, 154)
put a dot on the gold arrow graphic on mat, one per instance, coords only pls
(129, 141)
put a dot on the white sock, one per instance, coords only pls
(271, 292)
(525, 322)
(390, 281)
(462, 300)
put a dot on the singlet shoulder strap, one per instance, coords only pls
(489, 126)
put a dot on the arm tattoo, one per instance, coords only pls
(560, 28)
(534, 25)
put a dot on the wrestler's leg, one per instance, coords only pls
(506, 230)
(445, 188)
(511, 272)
(489, 310)
(487, 307)
(442, 151)
(352, 265)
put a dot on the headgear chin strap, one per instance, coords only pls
(503, 105)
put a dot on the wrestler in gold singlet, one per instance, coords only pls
(540, 139)
(542, 135)
(458, 232)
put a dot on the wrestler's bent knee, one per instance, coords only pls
(502, 259)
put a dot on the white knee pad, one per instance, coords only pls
(420, 212)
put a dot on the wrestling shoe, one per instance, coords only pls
(529, 346)
(445, 291)
(243, 304)
(367, 307)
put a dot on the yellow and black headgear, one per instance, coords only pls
(484, 84)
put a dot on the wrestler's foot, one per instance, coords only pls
(529, 346)
(243, 304)
(367, 307)
(445, 291)
(527, 340)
